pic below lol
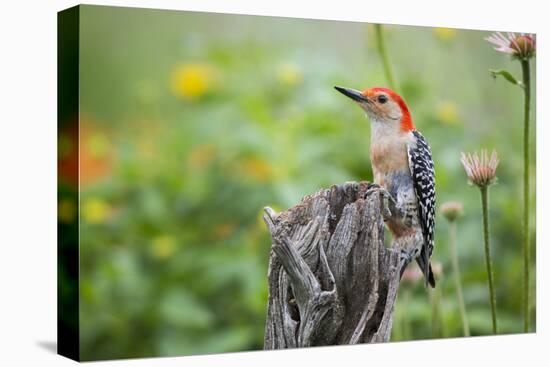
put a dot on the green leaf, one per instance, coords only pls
(506, 75)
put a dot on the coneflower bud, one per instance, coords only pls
(412, 274)
(437, 268)
(452, 210)
(480, 169)
(524, 46)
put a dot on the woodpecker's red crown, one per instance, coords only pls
(382, 104)
(379, 96)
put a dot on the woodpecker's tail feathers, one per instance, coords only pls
(426, 267)
(431, 279)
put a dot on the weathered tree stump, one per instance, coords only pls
(331, 278)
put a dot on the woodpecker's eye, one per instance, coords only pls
(382, 99)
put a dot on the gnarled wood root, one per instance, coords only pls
(331, 278)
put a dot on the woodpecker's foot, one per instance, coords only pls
(372, 188)
(387, 201)
(409, 247)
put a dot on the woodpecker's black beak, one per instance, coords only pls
(353, 94)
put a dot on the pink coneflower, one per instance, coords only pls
(480, 169)
(522, 45)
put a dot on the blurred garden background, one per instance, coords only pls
(191, 123)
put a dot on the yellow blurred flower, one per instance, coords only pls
(445, 33)
(97, 145)
(163, 246)
(192, 81)
(257, 169)
(201, 155)
(289, 74)
(96, 210)
(447, 112)
(66, 210)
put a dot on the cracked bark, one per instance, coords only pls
(331, 278)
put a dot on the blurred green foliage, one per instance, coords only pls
(191, 123)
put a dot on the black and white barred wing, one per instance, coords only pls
(423, 174)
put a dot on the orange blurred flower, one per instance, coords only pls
(224, 230)
(201, 155)
(67, 154)
(84, 152)
(96, 154)
(257, 169)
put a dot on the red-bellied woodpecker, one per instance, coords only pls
(402, 165)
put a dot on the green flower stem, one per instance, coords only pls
(384, 56)
(407, 330)
(458, 286)
(525, 67)
(488, 258)
(435, 300)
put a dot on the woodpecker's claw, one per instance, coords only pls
(386, 200)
